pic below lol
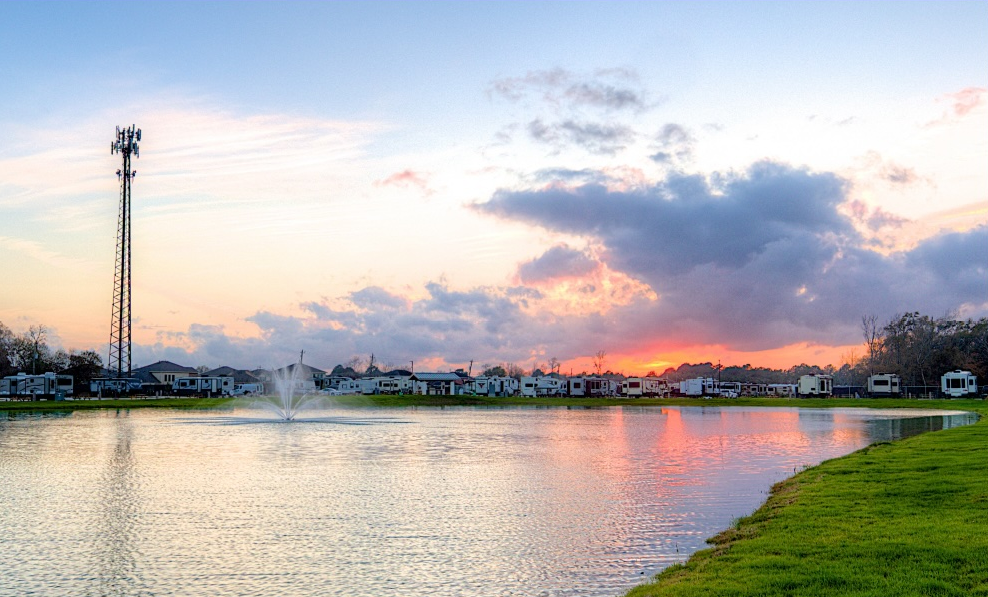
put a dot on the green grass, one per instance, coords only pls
(902, 518)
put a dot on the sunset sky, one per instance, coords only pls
(496, 182)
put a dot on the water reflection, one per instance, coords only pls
(116, 526)
(417, 502)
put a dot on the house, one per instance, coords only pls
(437, 384)
(159, 377)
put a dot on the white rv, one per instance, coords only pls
(542, 386)
(203, 386)
(576, 386)
(493, 386)
(633, 387)
(114, 386)
(699, 386)
(884, 384)
(47, 385)
(815, 385)
(654, 386)
(959, 383)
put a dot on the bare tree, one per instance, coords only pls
(598, 362)
(554, 365)
(872, 337)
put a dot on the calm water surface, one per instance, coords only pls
(407, 502)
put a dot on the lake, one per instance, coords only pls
(416, 502)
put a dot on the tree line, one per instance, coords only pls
(30, 352)
(920, 348)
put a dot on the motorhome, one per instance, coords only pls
(884, 384)
(576, 386)
(46, 385)
(956, 384)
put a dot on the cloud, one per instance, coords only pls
(674, 144)
(595, 138)
(960, 104)
(406, 179)
(966, 100)
(606, 89)
(560, 261)
(752, 260)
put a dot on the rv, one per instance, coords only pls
(203, 386)
(955, 384)
(654, 387)
(884, 384)
(699, 386)
(815, 385)
(597, 387)
(493, 386)
(542, 386)
(114, 386)
(576, 386)
(47, 385)
(632, 387)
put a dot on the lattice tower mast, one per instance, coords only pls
(126, 144)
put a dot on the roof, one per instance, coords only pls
(238, 375)
(436, 377)
(145, 373)
(164, 366)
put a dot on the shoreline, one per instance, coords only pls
(893, 518)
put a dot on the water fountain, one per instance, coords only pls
(290, 396)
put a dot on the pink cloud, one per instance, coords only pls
(405, 179)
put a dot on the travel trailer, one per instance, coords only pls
(47, 385)
(956, 384)
(203, 386)
(884, 384)
(815, 385)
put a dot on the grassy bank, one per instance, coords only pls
(902, 518)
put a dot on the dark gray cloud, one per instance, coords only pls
(753, 260)
(560, 261)
(593, 137)
(606, 89)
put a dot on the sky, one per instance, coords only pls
(504, 182)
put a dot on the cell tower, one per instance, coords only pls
(119, 361)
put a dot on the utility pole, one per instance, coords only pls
(126, 144)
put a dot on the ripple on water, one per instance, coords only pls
(424, 502)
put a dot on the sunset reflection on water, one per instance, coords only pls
(451, 501)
